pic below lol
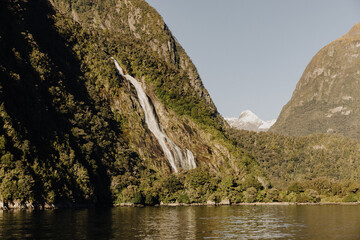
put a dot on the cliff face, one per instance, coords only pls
(73, 129)
(326, 97)
(139, 20)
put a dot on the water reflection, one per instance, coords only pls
(158, 223)
(228, 222)
(329, 222)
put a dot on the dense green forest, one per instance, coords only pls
(72, 130)
(324, 164)
(57, 133)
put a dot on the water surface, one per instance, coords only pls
(225, 222)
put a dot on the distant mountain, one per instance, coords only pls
(326, 98)
(249, 121)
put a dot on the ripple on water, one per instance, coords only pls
(222, 222)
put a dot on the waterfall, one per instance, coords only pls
(177, 157)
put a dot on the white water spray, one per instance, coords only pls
(176, 156)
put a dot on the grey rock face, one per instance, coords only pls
(326, 98)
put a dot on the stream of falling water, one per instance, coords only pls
(177, 157)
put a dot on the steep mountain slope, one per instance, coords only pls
(137, 20)
(249, 121)
(327, 96)
(74, 130)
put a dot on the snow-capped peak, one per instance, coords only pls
(249, 121)
(249, 116)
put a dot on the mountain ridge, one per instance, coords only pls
(326, 96)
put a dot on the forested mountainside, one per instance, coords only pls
(73, 130)
(323, 166)
(326, 98)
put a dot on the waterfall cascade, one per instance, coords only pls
(177, 157)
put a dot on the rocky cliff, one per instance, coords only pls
(326, 97)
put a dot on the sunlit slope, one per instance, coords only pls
(326, 98)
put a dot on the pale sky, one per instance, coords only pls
(251, 53)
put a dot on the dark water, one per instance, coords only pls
(228, 222)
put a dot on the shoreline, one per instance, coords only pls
(88, 206)
(237, 204)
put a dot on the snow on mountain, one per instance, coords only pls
(266, 125)
(249, 121)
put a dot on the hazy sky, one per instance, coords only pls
(251, 53)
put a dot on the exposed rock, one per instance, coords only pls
(326, 98)
(225, 202)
